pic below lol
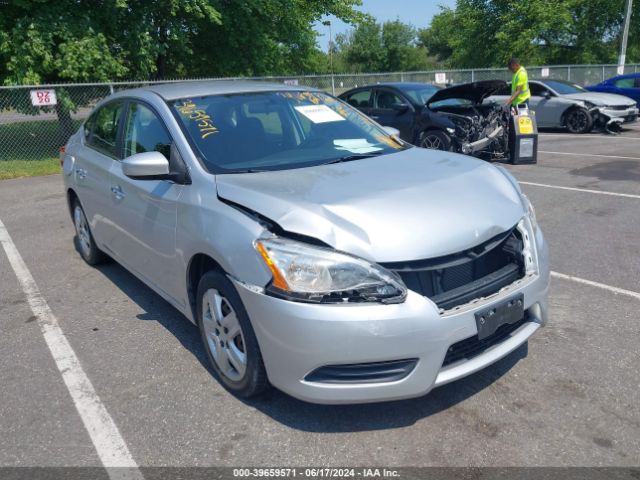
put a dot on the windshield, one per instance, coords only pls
(564, 88)
(278, 130)
(421, 94)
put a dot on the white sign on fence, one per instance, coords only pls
(292, 83)
(620, 70)
(43, 98)
(441, 78)
(544, 72)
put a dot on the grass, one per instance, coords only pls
(29, 149)
(28, 168)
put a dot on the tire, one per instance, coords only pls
(236, 361)
(435, 140)
(85, 243)
(578, 120)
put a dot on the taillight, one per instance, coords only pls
(61, 155)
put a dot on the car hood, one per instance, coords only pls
(598, 98)
(474, 91)
(410, 205)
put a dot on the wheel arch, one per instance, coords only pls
(199, 264)
(71, 197)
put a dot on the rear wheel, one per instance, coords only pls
(436, 140)
(87, 247)
(228, 337)
(578, 120)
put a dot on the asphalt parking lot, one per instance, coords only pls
(568, 398)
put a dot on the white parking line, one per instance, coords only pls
(569, 135)
(591, 283)
(588, 155)
(584, 190)
(106, 438)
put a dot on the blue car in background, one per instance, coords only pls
(627, 85)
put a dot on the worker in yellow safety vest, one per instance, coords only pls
(520, 92)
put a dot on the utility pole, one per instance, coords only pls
(625, 35)
(327, 23)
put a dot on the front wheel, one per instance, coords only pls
(228, 337)
(436, 140)
(578, 120)
(85, 243)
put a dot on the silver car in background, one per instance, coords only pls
(314, 251)
(562, 104)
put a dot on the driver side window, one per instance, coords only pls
(386, 99)
(144, 132)
(537, 90)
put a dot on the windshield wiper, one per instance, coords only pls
(349, 158)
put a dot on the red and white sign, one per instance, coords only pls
(291, 83)
(441, 78)
(43, 98)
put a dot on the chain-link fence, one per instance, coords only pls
(30, 132)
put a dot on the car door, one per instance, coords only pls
(143, 212)
(547, 105)
(387, 113)
(92, 166)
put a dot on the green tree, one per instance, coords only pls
(372, 47)
(483, 33)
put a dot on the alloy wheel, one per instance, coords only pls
(433, 141)
(578, 121)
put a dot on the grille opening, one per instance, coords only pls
(376, 372)
(457, 279)
(472, 347)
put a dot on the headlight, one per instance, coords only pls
(451, 130)
(589, 104)
(531, 212)
(315, 274)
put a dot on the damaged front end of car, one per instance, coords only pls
(481, 130)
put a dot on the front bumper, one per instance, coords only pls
(297, 338)
(624, 116)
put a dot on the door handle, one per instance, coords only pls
(81, 173)
(117, 192)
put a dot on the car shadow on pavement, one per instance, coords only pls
(299, 414)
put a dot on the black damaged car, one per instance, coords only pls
(428, 116)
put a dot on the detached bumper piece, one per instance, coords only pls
(378, 372)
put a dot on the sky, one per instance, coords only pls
(415, 12)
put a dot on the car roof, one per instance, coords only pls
(397, 85)
(186, 89)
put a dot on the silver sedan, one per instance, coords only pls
(561, 104)
(315, 251)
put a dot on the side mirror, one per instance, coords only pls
(394, 132)
(400, 107)
(545, 94)
(146, 166)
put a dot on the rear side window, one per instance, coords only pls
(624, 83)
(144, 132)
(104, 132)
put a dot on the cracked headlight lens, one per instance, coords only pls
(306, 272)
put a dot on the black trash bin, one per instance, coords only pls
(523, 137)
